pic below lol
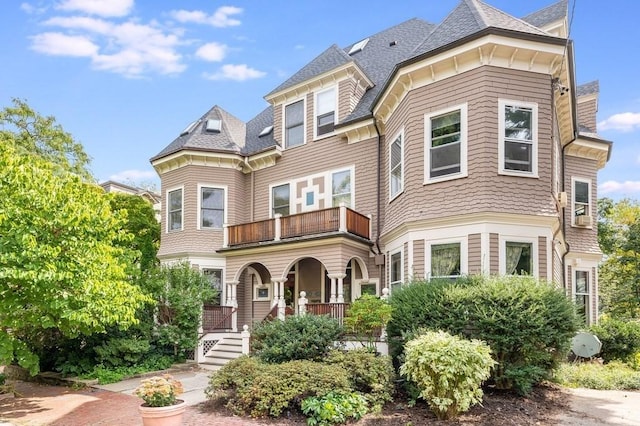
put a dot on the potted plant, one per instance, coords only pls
(161, 406)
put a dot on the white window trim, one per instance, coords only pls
(168, 209)
(259, 285)
(400, 135)
(573, 201)
(589, 286)
(463, 144)
(329, 184)
(291, 199)
(464, 254)
(304, 123)
(225, 207)
(391, 253)
(359, 282)
(315, 112)
(502, 103)
(502, 256)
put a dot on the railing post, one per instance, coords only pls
(233, 302)
(343, 217)
(385, 294)
(225, 235)
(245, 339)
(278, 227)
(302, 303)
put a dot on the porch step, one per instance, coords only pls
(227, 349)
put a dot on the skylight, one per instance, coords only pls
(265, 131)
(358, 46)
(213, 125)
(189, 128)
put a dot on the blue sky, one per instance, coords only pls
(124, 77)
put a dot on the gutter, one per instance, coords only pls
(379, 184)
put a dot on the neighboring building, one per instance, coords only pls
(152, 197)
(421, 151)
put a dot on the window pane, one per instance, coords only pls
(517, 123)
(445, 159)
(214, 276)
(341, 188)
(325, 123)
(310, 198)
(517, 156)
(582, 282)
(395, 266)
(582, 192)
(582, 307)
(175, 199)
(295, 136)
(280, 201)
(445, 260)
(212, 218)
(518, 259)
(368, 289)
(175, 220)
(445, 129)
(326, 102)
(396, 153)
(213, 198)
(294, 114)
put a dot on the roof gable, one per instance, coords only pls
(549, 14)
(589, 88)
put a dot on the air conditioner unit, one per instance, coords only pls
(562, 199)
(583, 220)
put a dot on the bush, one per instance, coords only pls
(334, 408)
(122, 352)
(527, 324)
(448, 371)
(365, 319)
(248, 385)
(307, 337)
(620, 339)
(371, 375)
(612, 376)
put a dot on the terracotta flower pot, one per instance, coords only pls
(163, 416)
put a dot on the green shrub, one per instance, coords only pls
(527, 324)
(106, 375)
(334, 408)
(612, 376)
(365, 319)
(448, 371)
(3, 379)
(620, 339)
(371, 375)
(307, 337)
(122, 352)
(249, 386)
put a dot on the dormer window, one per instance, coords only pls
(325, 111)
(213, 125)
(294, 124)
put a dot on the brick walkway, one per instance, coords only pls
(61, 406)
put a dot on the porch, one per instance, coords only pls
(331, 221)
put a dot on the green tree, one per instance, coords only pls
(37, 136)
(62, 260)
(619, 238)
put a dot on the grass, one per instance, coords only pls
(612, 376)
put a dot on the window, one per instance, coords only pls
(445, 260)
(518, 147)
(518, 258)
(395, 167)
(261, 291)
(214, 276)
(581, 198)
(395, 271)
(446, 136)
(582, 288)
(175, 210)
(341, 188)
(310, 198)
(211, 207)
(280, 200)
(325, 111)
(294, 124)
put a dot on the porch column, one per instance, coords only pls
(233, 302)
(340, 298)
(334, 278)
(225, 235)
(275, 284)
(281, 303)
(278, 227)
(343, 217)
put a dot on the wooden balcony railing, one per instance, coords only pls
(217, 318)
(334, 219)
(334, 310)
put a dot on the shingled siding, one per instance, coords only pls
(587, 110)
(190, 238)
(318, 157)
(418, 259)
(579, 238)
(484, 190)
(494, 250)
(474, 254)
(542, 257)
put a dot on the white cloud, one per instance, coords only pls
(129, 48)
(212, 52)
(98, 7)
(625, 187)
(239, 72)
(133, 175)
(220, 18)
(624, 122)
(31, 9)
(63, 45)
(299, 47)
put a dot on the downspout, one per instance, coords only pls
(379, 185)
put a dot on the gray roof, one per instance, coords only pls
(231, 137)
(588, 88)
(551, 13)
(378, 60)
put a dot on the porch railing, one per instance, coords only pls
(334, 219)
(217, 318)
(334, 310)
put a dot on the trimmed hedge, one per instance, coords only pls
(620, 339)
(528, 324)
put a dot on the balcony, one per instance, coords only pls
(333, 220)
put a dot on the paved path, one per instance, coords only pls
(594, 408)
